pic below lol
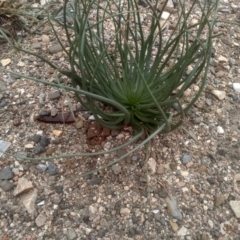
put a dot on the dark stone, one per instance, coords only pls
(59, 189)
(52, 168)
(135, 219)
(6, 173)
(6, 185)
(211, 180)
(131, 232)
(37, 138)
(3, 103)
(95, 181)
(44, 141)
(54, 95)
(62, 205)
(86, 219)
(176, 107)
(173, 166)
(102, 232)
(222, 152)
(92, 237)
(44, 113)
(39, 149)
(162, 193)
(143, 3)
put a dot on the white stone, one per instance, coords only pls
(29, 146)
(165, 15)
(92, 209)
(220, 130)
(28, 200)
(236, 87)
(210, 223)
(125, 211)
(219, 94)
(23, 186)
(152, 165)
(222, 59)
(235, 206)
(182, 231)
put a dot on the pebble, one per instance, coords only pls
(134, 158)
(162, 193)
(143, 3)
(236, 87)
(79, 124)
(95, 181)
(36, 45)
(37, 138)
(29, 146)
(71, 234)
(42, 96)
(57, 133)
(152, 165)
(116, 169)
(219, 199)
(54, 95)
(182, 231)
(102, 232)
(50, 151)
(39, 149)
(29, 200)
(3, 103)
(41, 219)
(202, 169)
(6, 185)
(235, 206)
(173, 208)
(44, 141)
(23, 186)
(220, 130)
(45, 38)
(173, 225)
(44, 113)
(42, 167)
(125, 211)
(6, 173)
(55, 48)
(219, 94)
(186, 158)
(52, 168)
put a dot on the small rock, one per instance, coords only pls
(173, 208)
(186, 158)
(143, 3)
(222, 59)
(202, 169)
(29, 199)
(37, 138)
(173, 225)
(52, 168)
(219, 199)
(42, 96)
(23, 186)
(222, 152)
(41, 219)
(116, 169)
(125, 211)
(235, 206)
(5, 61)
(45, 38)
(29, 146)
(236, 87)
(55, 48)
(57, 133)
(219, 94)
(59, 189)
(102, 232)
(36, 45)
(182, 231)
(54, 95)
(39, 149)
(50, 151)
(79, 124)
(152, 165)
(165, 15)
(71, 234)
(6, 173)
(6, 185)
(95, 181)
(3, 103)
(134, 158)
(220, 130)
(44, 141)
(211, 180)
(44, 113)
(227, 41)
(162, 193)
(204, 237)
(54, 112)
(220, 74)
(42, 167)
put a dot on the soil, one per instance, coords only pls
(184, 185)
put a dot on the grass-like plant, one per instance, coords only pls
(120, 63)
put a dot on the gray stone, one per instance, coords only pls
(39, 149)
(36, 45)
(37, 138)
(23, 186)
(54, 95)
(116, 169)
(94, 181)
(102, 232)
(44, 113)
(143, 3)
(42, 167)
(6, 185)
(71, 234)
(219, 199)
(28, 200)
(44, 141)
(4, 145)
(55, 48)
(235, 206)
(42, 96)
(173, 208)
(6, 173)
(3, 103)
(52, 168)
(186, 158)
(135, 158)
(41, 219)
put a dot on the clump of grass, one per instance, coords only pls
(120, 66)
